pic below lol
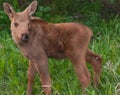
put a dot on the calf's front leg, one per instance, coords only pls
(42, 69)
(31, 75)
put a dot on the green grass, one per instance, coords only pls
(106, 42)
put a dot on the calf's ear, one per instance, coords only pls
(8, 10)
(30, 10)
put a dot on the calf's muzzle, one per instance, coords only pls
(25, 37)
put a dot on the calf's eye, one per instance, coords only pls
(28, 24)
(16, 24)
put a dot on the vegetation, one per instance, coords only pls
(106, 42)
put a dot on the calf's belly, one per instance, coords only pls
(56, 54)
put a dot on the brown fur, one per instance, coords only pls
(39, 40)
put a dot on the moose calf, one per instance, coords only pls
(39, 40)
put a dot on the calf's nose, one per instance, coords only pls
(25, 37)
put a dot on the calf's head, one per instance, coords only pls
(20, 21)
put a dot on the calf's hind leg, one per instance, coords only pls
(96, 62)
(78, 60)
